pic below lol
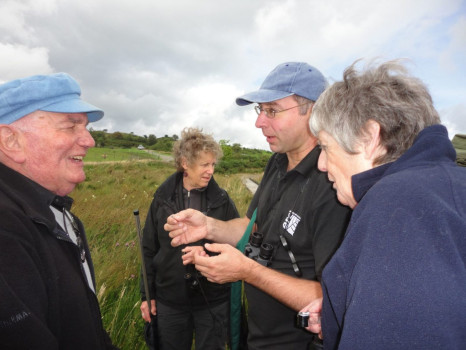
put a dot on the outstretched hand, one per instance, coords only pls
(187, 226)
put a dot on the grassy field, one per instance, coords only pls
(105, 203)
(117, 155)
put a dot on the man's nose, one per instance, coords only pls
(261, 120)
(86, 139)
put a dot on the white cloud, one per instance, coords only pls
(13, 17)
(458, 32)
(158, 66)
(455, 53)
(22, 61)
(454, 118)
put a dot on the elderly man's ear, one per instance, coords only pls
(11, 144)
(372, 147)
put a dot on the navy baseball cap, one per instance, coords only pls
(58, 93)
(291, 78)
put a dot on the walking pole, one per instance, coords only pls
(150, 334)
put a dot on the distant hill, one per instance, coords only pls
(235, 159)
(119, 139)
(459, 142)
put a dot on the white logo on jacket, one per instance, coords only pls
(291, 222)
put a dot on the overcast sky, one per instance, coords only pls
(156, 66)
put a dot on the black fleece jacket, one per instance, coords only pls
(46, 302)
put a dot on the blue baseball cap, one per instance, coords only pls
(58, 93)
(290, 78)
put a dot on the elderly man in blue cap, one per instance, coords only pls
(47, 285)
(297, 213)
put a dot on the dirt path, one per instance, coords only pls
(163, 158)
(120, 161)
(251, 185)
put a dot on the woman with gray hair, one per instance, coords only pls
(184, 300)
(399, 278)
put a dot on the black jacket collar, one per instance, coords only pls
(214, 194)
(32, 197)
(304, 167)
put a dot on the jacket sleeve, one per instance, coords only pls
(150, 247)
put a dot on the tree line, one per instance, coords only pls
(118, 139)
(235, 159)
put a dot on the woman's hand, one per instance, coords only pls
(145, 310)
(190, 251)
(314, 309)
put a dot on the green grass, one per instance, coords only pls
(117, 154)
(105, 203)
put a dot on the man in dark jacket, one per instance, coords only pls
(398, 281)
(297, 214)
(47, 285)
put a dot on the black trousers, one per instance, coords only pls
(210, 328)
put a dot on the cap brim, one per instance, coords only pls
(76, 106)
(261, 96)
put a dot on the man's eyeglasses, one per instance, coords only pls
(270, 112)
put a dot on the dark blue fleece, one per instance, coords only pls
(398, 280)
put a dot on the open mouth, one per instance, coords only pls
(78, 158)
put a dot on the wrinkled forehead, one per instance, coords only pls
(51, 119)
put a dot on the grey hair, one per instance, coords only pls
(193, 141)
(304, 103)
(399, 103)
